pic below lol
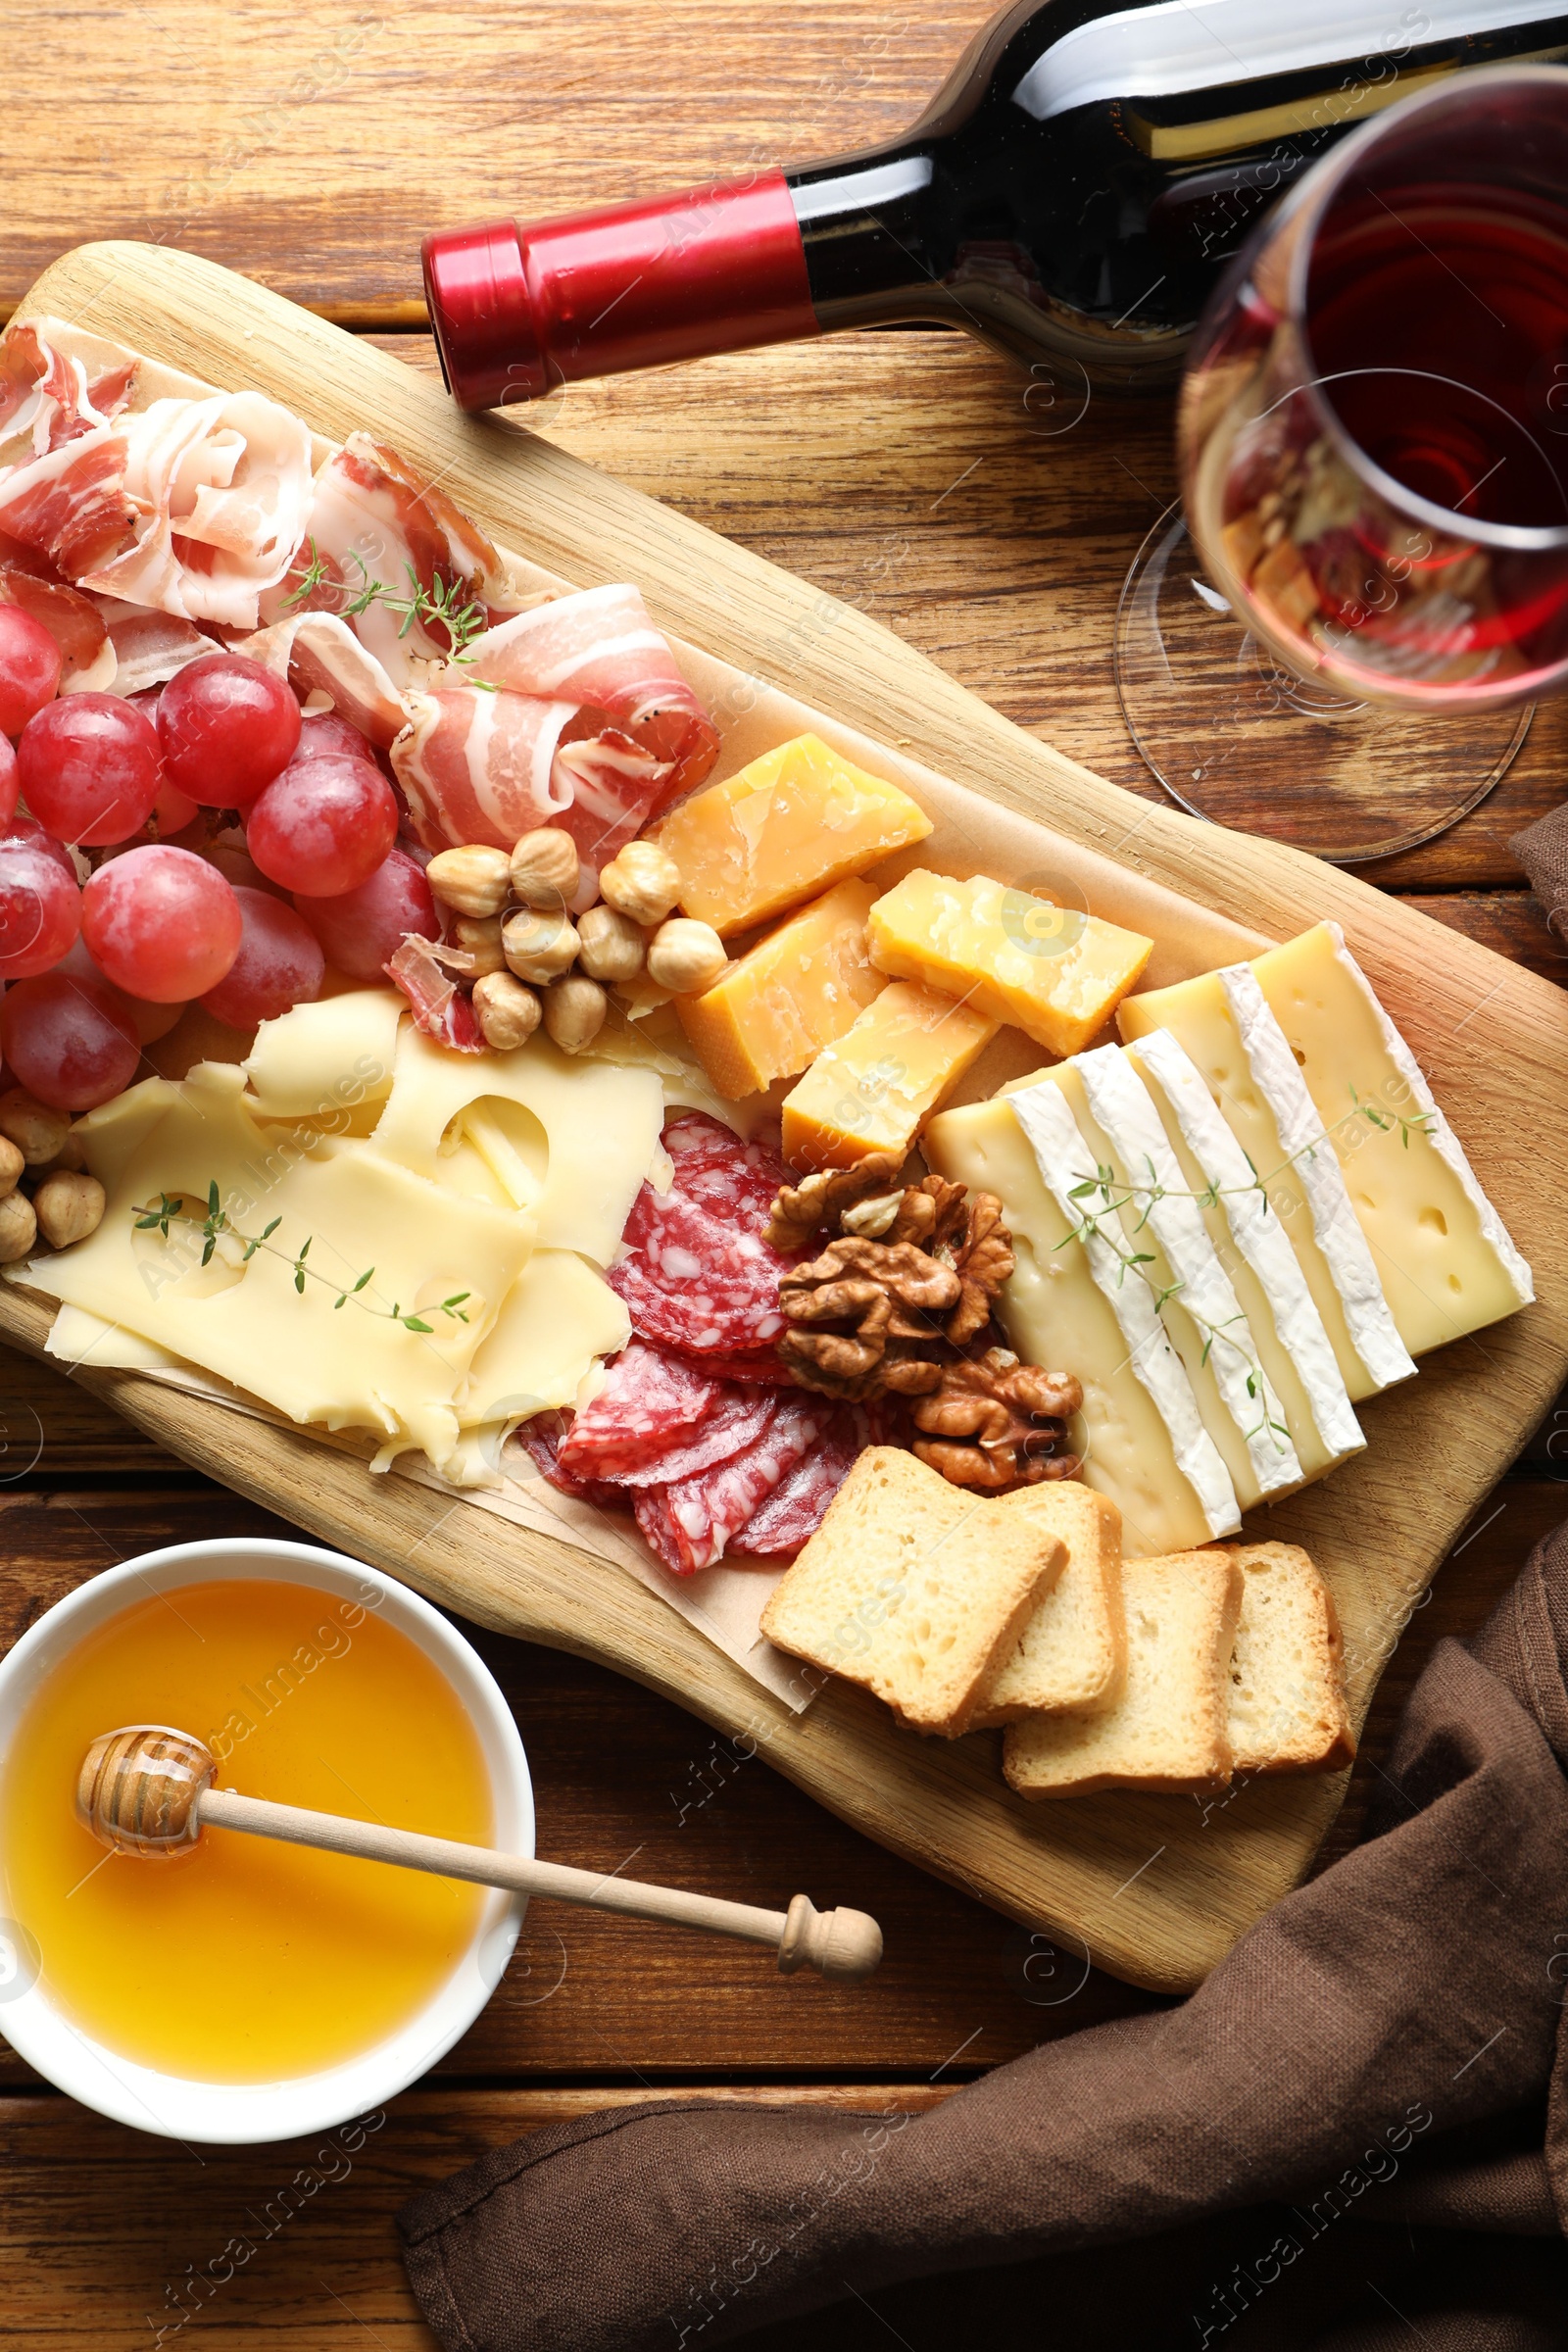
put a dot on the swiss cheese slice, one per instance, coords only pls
(1142, 1436)
(586, 1137)
(556, 1320)
(1226, 1028)
(1270, 1286)
(1194, 1293)
(324, 1061)
(245, 1319)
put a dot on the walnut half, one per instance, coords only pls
(865, 1317)
(997, 1424)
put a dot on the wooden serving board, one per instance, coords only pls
(1156, 1888)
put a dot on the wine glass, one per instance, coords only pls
(1373, 439)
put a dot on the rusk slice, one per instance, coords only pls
(1168, 1729)
(1286, 1708)
(1073, 1652)
(914, 1588)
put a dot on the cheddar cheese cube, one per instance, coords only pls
(1057, 974)
(876, 1088)
(791, 824)
(793, 993)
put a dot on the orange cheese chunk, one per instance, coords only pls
(876, 1088)
(793, 994)
(793, 823)
(1057, 974)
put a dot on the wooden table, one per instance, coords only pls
(313, 146)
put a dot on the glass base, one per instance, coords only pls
(1236, 738)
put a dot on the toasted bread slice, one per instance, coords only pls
(1286, 1708)
(1168, 1727)
(1074, 1647)
(914, 1588)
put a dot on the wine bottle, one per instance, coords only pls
(1069, 196)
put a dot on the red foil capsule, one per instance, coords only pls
(519, 310)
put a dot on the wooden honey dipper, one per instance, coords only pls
(148, 1790)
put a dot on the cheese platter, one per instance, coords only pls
(1184, 1267)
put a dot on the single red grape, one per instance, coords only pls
(160, 924)
(324, 731)
(226, 726)
(29, 668)
(88, 767)
(324, 826)
(363, 929)
(280, 964)
(29, 831)
(40, 910)
(150, 1021)
(67, 1042)
(10, 781)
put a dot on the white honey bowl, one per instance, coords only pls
(244, 2114)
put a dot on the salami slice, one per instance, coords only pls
(735, 1422)
(752, 1366)
(541, 1437)
(695, 1274)
(689, 1524)
(796, 1509)
(650, 1402)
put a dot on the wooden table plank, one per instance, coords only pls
(314, 145)
(108, 2235)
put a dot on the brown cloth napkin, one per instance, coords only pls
(1541, 850)
(1353, 2136)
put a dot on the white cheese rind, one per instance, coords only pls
(1124, 1109)
(1440, 1134)
(1339, 1236)
(1258, 1236)
(1064, 1163)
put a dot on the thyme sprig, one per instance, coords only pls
(217, 1222)
(444, 605)
(1117, 1200)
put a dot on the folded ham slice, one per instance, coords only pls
(481, 767)
(374, 519)
(87, 657)
(194, 507)
(149, 647)
(47, 399)
(328, 668)
(600, 648)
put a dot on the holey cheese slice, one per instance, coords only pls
(244, 1319)
(1140, 1431)
(571, 1140)
(1225, 1026)
(1251, 1244)
(1194, 1293)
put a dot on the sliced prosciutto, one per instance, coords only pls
(480, 767)
(47, 398)
(439, 1007)
(87, 657)
(149, 647)
(375, 520)
(691, 1523)
(329, 668)
(601, 650)
(195, 506)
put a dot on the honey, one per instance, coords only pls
(246, 1960)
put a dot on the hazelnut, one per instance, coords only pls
(642, 882)
(539, 944)
(11, 1165)
(68, 1207)
(507, 1013)
(612, 946)
(543, 868)
(36, 1131)
(19, 1228)
(574, 1012)
(686, 957)
(473, 881)
(480, 939)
